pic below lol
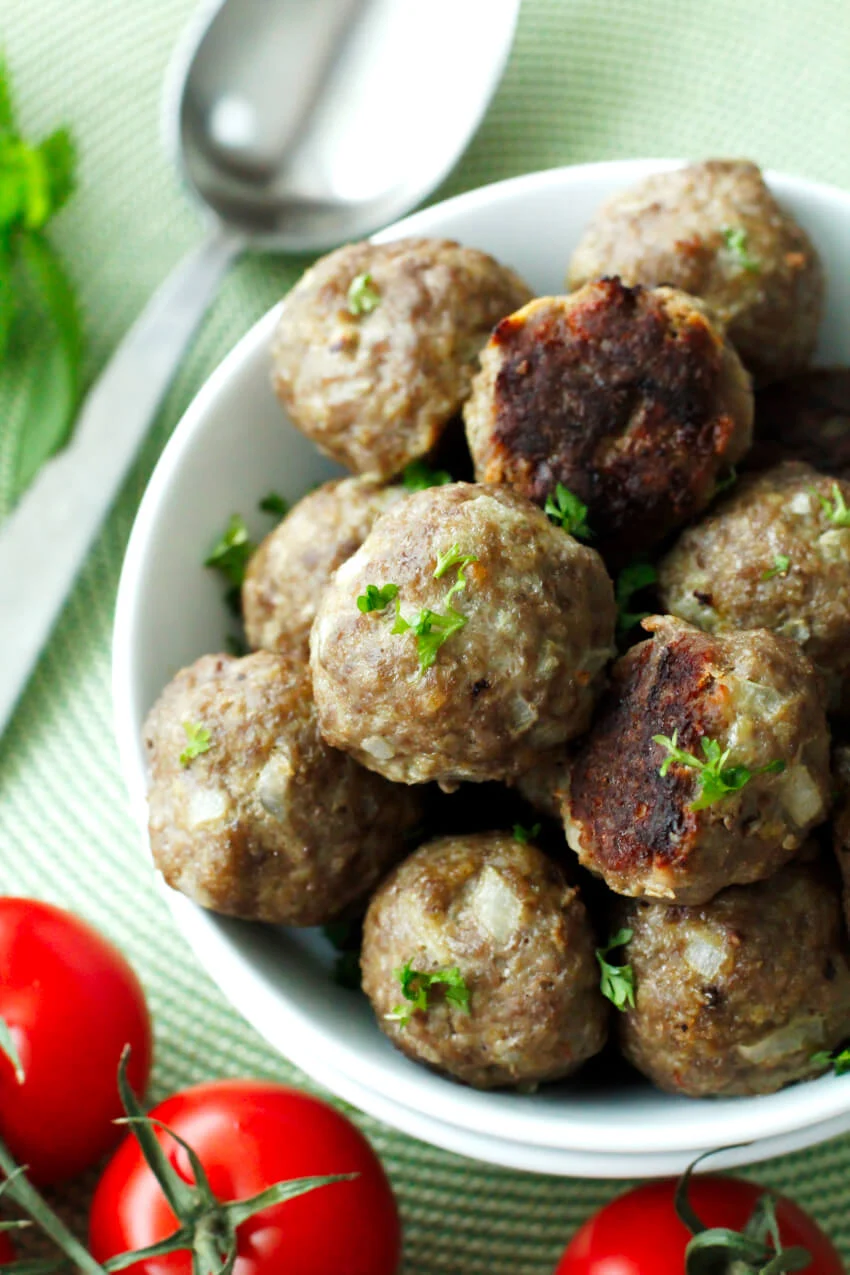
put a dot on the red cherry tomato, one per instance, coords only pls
(249, 1135)
(640, 1234)
(72, 1003)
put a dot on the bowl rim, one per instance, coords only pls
(791, 1112)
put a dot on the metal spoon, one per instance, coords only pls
(296, 124)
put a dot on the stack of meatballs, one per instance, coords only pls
(636, 814)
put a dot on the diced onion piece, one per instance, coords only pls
(378, 747)
(801, 796)
(804, 1034)
(834, 545)
(273, 784)
(706, 952)
(795, 628)
(207, 805)
(800, 503)
(758, 701)
(495, 906)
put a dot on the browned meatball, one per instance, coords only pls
(490, 652)
(522, 1004)
(630, 815)
(291, 569)
(735, 996)
(841, 822)
(775, 555)
(805, 418)
(261, 819)
(376, 346)
(714, 229)
(629, 397)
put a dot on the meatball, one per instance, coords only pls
(735, 996)
(714, 230)
(521, 1003)
(489, 652)
(805, 418)
(629, 397)
(841, 824)
(376, 346)
(545, 785)
(774, 555)
(250, 813)
(291, 569)
(650, 821)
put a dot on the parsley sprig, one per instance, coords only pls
(632, 579)
(837, 1059)
(836, 509)
(416, 984)
(781, 567)
(274, 504)
(434, 628)
(569, 512)
(198, 740)
(419, 475)
(617, 982)
(716, 778)
(735, 239)
(41, 337)
(726, 481)
(363, 296)
(523, 835)
(375, 599)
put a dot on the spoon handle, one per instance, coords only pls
(45, 539)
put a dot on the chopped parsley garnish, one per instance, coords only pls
(416, 984)
(375, 599)
(523, 835)
(838, 1059)
(197, 742)
(836, 509)
(631, 580)
(433, 628)
(569, 512)
(617, 982)
(716, 779)
(418, 476)
(363, 297)
(726, 481)
(231, 553)
(235, 646)
(274, 504)
(735, 239)
(781, 567)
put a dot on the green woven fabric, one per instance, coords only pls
(587, 80)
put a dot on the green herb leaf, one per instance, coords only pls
(9, 1048)
(274, 504)
(735, 239)
(235, 646)
(375, 599)
(569, 512)
(452, 557)
(617, 982)
(363, 297)
(726, 481)
(836, 509)
(232, 552)
(838, 1059)
(632, 579)
(716, 779)
(418, 476)
(432, 628)
(781, 567)
(416, 984)
(7, 107)
(524, 835)
(198, 741)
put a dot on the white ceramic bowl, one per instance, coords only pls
(232, 445)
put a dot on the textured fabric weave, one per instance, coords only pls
(588, 79)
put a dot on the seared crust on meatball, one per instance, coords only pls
(503, 916)
(841, 820)
(806, 418)
(714, 230)
(518, 636)
(630, 397)
(375, 388)
(775, 555)
(752, 693)
(267, 823)
(736, 996)
(290, 570)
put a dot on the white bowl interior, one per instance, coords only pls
(231, 447)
